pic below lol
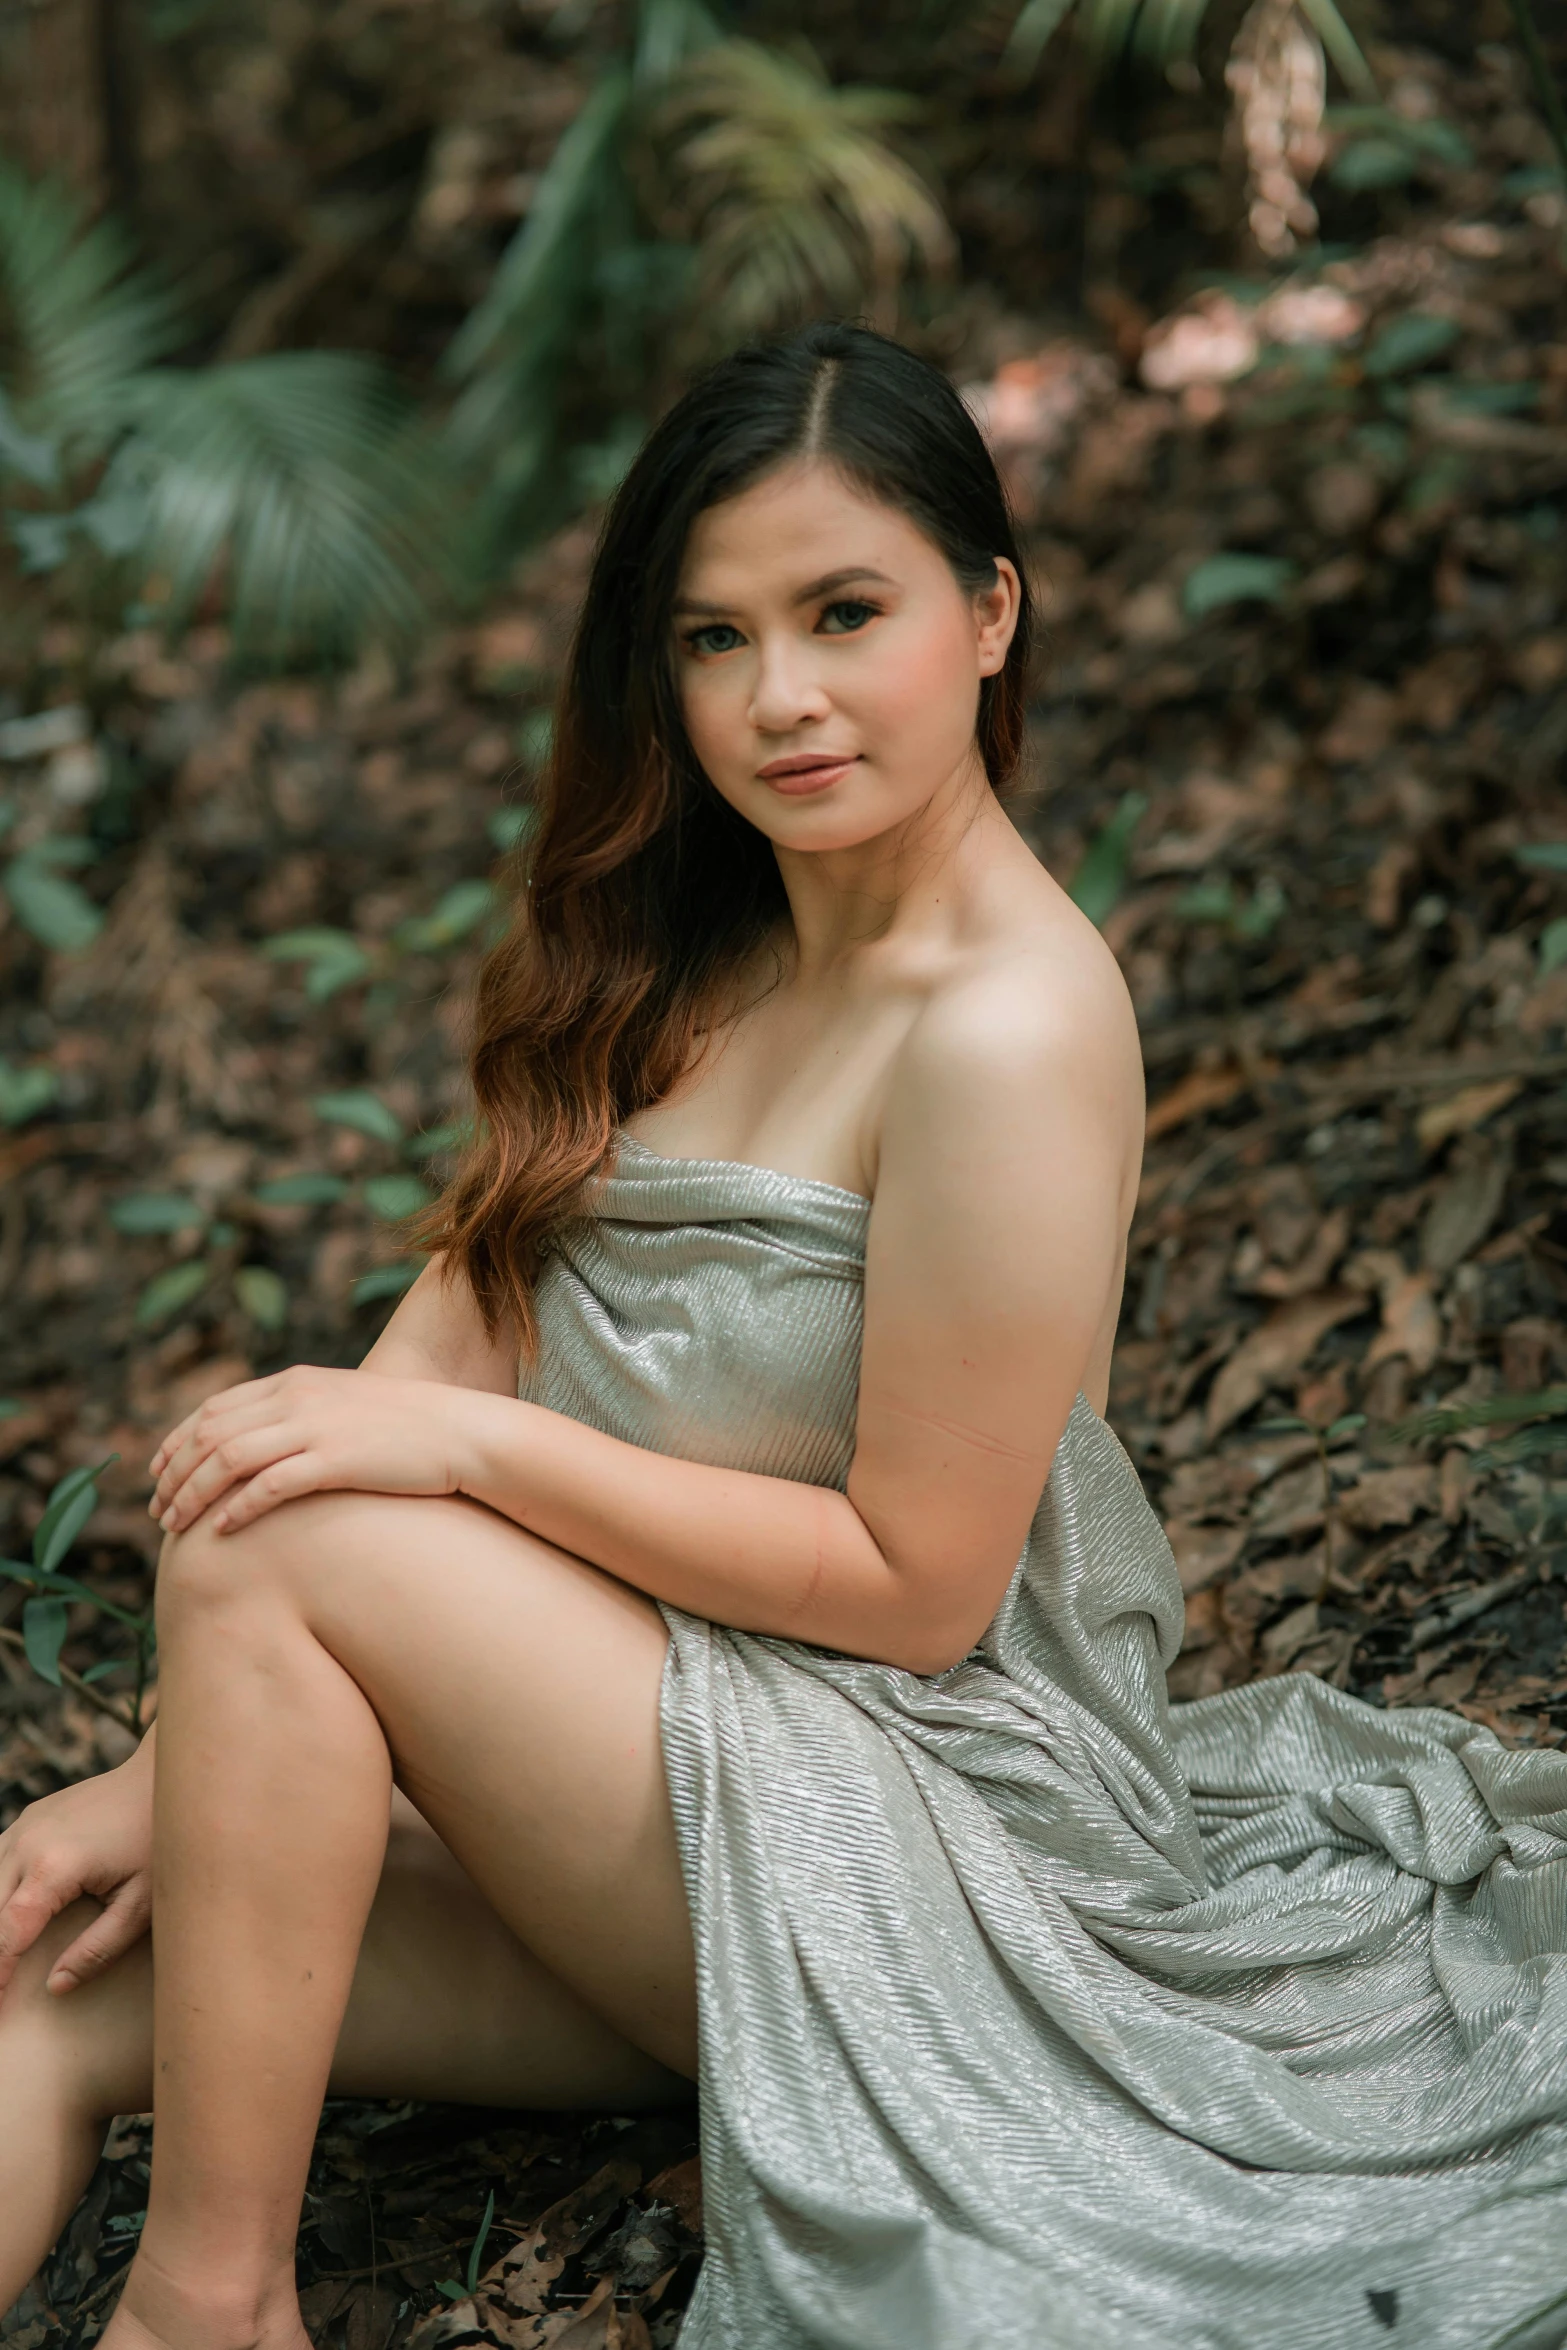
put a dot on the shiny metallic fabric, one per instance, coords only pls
(1034, 2011)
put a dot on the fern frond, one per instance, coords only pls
(78, 320)
(506, 346)
(790, 194)
(295, 479)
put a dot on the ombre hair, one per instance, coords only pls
(641, 893)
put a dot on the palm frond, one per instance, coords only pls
(789, 192)
(78, 320)
(669, 34)
(505, 349)
(295, 479)
(1162, 33)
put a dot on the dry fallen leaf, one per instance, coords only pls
(1458, 1112)
(1203, 1553)
(1284, 1343)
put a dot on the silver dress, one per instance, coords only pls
(1036, 2011)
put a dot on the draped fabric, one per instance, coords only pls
(1035, 2010)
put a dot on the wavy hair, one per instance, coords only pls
(642, 893)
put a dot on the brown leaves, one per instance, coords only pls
(1283, 1344)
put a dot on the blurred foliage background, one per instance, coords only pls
(314, 316)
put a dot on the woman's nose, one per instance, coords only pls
(787, 691)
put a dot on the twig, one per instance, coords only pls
(1539, 67)
(74, 1681)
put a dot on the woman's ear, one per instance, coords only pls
(995, 615)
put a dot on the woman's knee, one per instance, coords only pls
(201, 1570)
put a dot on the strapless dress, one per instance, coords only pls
(1035, 2010)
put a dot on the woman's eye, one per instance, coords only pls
(717, 637)
(843, 618)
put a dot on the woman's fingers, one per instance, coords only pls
(193, 1487)
(30, 1904)
(188, 1430)
(286, 1480)
(123, 1920)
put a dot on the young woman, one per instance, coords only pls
(773, 1674)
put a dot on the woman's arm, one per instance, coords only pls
(993, 1242)
(1009, 1154)
(437, 1333)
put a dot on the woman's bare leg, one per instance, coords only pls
(515, 1690)
(446, 2003)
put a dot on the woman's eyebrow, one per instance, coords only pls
(687, 607)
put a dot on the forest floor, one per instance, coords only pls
(1303, 706)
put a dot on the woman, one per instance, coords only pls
(779, 1664)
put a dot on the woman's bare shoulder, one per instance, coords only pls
(1035, 1019)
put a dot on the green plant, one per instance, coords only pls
(55, 911)
(1101, 875)
(449, 2286)
(25, 1093)
(1246, 919)
(294, 491)
(46, 1613)
(1162, 34)
(1545, 1407)
(225, 1230)
(335, 958)
(1344, 1425)
(709, 189)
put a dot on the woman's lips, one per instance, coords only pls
(797, 778)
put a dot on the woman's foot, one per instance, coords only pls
(158, 2312)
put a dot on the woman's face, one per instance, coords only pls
(828, 661)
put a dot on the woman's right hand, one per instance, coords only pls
(94, 1838)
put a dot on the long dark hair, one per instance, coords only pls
(643, 892)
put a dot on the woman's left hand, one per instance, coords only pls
(307, 1430)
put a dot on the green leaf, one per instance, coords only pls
(82, 322)
(58, 914)
(334, 958)
(1526, 1444)
(479, 2242)
(1553, 945)
(386, 1281)
(436, 1141)
(1546, 856)
(263, 1295)
(535, 738)
(1101, 873)
(25, 1092)
(457, 912)
(34, 457)
(169, 1292)
(1408, 343)
(10, 1408)
(1289, 1425)
(155, 1211)
(300, 481)
(304, 1190)
(1364, 165)
(1207, 901)
(452, 2290)
(392, 1197)
(1345, 1425)
(1236, 579)
(508, 826)
(1494, 1412)
(45, 1623)
(70, 1505)
(1032, 28)
(364, 1111)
